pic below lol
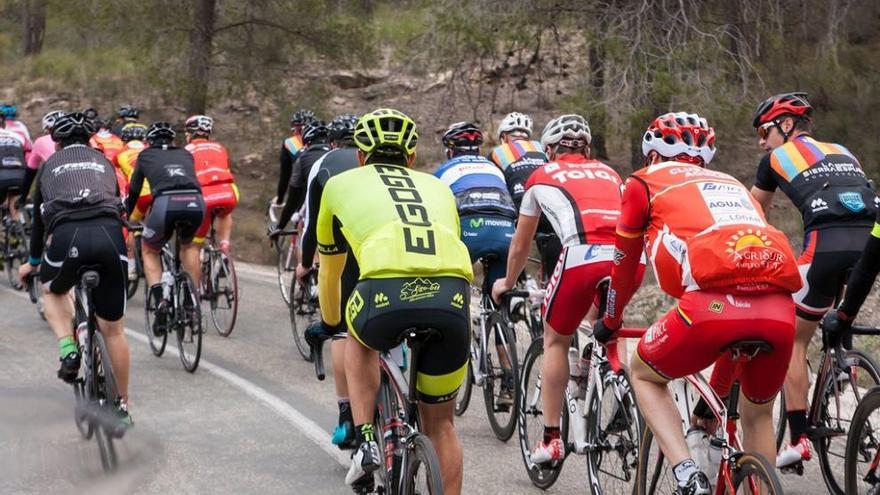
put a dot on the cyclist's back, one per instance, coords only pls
(12, 163)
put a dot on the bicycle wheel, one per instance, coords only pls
(654, 475)
(463, 399)
(188, 322)
(157, 342)
(421, 473)
(862, 470)
(530, 417)
(613, 434)
(106, 394)
(17, 252)
(753, 474)
(286, 266)
(138, 267)
(224, 293)
(303, 312)
(502, 370)
(781, 419)
(840, 397)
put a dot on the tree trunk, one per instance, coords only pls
(597, 81)
(33, 16)
(201, 39)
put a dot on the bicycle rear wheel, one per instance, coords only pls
(188, 323)
(837, 412)
(502, 370)
(613, 434)
(106, 395)
(421, 473)
(286, 266)
(463, 399)
(224, 293)
(654, 474)
(753, 474)
(17, 252)
(157, 342)
(138, 267)
(862, 470)
(303, 311)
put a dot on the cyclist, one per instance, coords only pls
(17, 126)
(859, 284)
(12, 166)
(290, 148)
(133, 136)
(86, 232)
(341, 158)
(582, 198)
(826, 183)
(218, 184)
(732, 273)
(402, 228)
(486, 210)
(43, 148)
(127, 114)
(177, 202)
(106, 142)
(315, 137)
(518, 156)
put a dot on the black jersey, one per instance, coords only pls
(333, 163)
(166, 169)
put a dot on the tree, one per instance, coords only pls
(33, 15)
(201, 39)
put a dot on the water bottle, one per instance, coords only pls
(698, 445)
(82, 333)
(586, 357)
(167, 282)
(714, 454)
(574, 363)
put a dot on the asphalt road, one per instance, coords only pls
(252, 419)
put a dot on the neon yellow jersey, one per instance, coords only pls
(397, 222)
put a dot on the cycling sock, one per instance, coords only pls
(66, 345)
(684, 470)
(551, 433)
(364, 433)
(797, 424)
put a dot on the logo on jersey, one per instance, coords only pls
(818, 204)
(738, 303)
(418, 289)
(175, 172)
(380, 300)
(11, 162)
(477, 222)
(716, 306)
(852, 201)
(751, 249)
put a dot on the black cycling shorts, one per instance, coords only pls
(380, 310)
(93, 244)
(182, 210)
(825, 263)
(11, 181)
(550, 249)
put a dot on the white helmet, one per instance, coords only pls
(569, 130)
(50, 118)
(515, 121)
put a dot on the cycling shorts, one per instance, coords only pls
(488, 237)
(550, 249)
(693, 335)
(825, 263)
(220, 199)
(10, 182)
(574, 284)
(380, 310)
(93, 244)
(182, 210)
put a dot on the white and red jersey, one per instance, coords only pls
(211, 162)
(580, 197)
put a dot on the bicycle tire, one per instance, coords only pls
(829, 447)
(623, 413)
(463, 399)
(224, 294)
(107, 393)
(188, 324)
(138, 268)
(501, 426)
(420, 453)
(751, 466)
(862, 444)
(298, 322)
(15, 255)
(654, 472)
(542, 477)
(781, 420)
(157, 342)
(286, 258)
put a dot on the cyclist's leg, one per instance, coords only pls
(438, 424)
(224, 220)
(156, 233)
(58, 276)
(338, 349)
(188, 211)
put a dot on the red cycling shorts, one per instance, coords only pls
(220, 200)
(573, 287)
(692, 336)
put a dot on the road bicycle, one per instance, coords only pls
(183, 315)
(286, 251)
(730, 470)
(842, 378)
(16, 246)
(304, 310)
(411, 465)
(219, 285)
(134, 281)
(862, 469)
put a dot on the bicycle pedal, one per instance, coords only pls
(796, 468)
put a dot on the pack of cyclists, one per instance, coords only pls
(395, 250)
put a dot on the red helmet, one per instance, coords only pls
(680, 133)
(782, 104)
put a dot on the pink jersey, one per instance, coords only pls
(43, 149)
(19, 128)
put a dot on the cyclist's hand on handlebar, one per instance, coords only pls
(498, 288)
(302, 272)
(601, 332)
(837, 322)
(23, 271)
(273, 231)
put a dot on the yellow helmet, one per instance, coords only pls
(388, 130)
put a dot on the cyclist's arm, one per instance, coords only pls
(37, 227)
(29, 175)
(309, 238)
(520, 245)
(134, 188)
(765, 185)
(863, 275)
(332, 249)
(629, 244)
(284, 179)
(286, 212)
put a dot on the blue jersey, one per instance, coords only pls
(478, 186)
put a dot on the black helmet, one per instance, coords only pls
(128, 112)
(462, 135)
(316, 132)
(90, 113)
(160, 131)
(102, 123)
(342, 128)
(70, 125)
(133, 132)
(302, 117)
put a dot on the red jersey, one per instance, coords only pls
(107, 143)
(211, 162)
(580, 197)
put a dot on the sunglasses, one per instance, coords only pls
(764, 129)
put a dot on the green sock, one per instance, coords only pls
(66, 345)
(364, 433)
